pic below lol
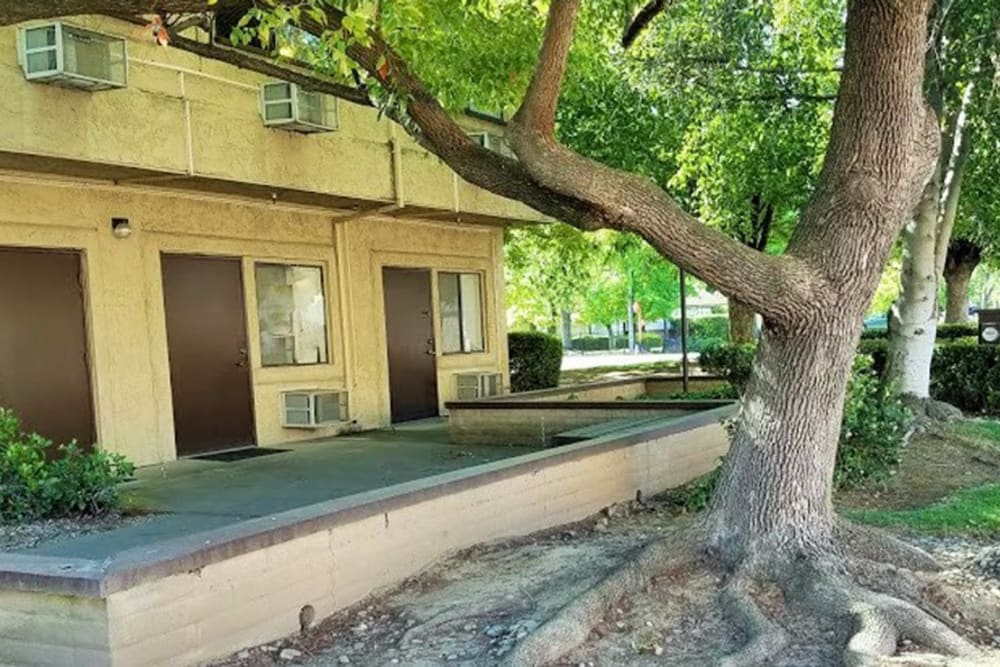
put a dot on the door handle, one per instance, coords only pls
(431, 350)
(243, 358)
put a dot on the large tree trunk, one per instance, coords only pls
(914, 317)
(784, 447)
(963, 258)
(741, 319)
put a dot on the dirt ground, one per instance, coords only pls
(472, 608)
(935, 464)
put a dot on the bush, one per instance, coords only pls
(950, 330)
(711, 327)
(878, 350)
(535, 361)
(38, 480)
(875, 334)
(873, 429)
(651, 341)
(872, 432)
(967, 375)
(733, 361)
(593, 344)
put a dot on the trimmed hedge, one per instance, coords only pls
(535, 360)
(945, 331)
(732, 361)
(600, 343)
(967, 375)
(949, 331)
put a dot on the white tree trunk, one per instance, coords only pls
(914, 315)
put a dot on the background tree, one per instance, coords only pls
(548, 270)
(772, 517)
(960, 71)
(976, 234)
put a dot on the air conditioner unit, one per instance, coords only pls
(313, 408)
(492, 141)
(289, 107)
(73, 57)
(471, 386)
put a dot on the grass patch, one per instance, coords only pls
(971, 511)
(600, 372)
(982, 431)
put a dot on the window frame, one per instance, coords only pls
(326, 312)
(481, 280)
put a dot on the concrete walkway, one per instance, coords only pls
(191, 495)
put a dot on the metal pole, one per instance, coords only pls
(684, 332)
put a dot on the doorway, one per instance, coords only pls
(44, 372)
(409, 328)
(207, 344)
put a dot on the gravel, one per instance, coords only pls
(17, 537)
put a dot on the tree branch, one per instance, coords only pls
(645, 16)
(538, 109)
(286, 72)
(631, 202)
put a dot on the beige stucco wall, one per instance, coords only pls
(195, 118)
(124, 298)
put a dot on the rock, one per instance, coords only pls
(289, 654)
(469, 627)
(495, 630)
(988, 562)
(344, 660)
(243, 655)
(657, 650)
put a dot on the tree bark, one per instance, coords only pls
(774, 497)
(914, 317)
(963, 258)
(741, 320)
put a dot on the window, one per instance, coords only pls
(291, 311)
(461, 299)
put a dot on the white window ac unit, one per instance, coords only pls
(313, 408)
(492, 141)
(289, 107)
(470, 386)
(73, 57)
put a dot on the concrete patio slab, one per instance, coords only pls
(190, 495)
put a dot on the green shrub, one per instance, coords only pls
(651, 341)
(595, 344)
(711, 327)
(950, 330)
(967, 375)
(875, 334)
(731, 361)
(872, 431)
(874, 426)
(878, 350)
(535, 361)
(39, 480)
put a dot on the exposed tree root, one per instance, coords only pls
(824, 585)
(765, 638)
(874, 545)
(571, 626)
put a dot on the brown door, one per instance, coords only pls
(44, 376)
(207, 341)
(410, 340)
